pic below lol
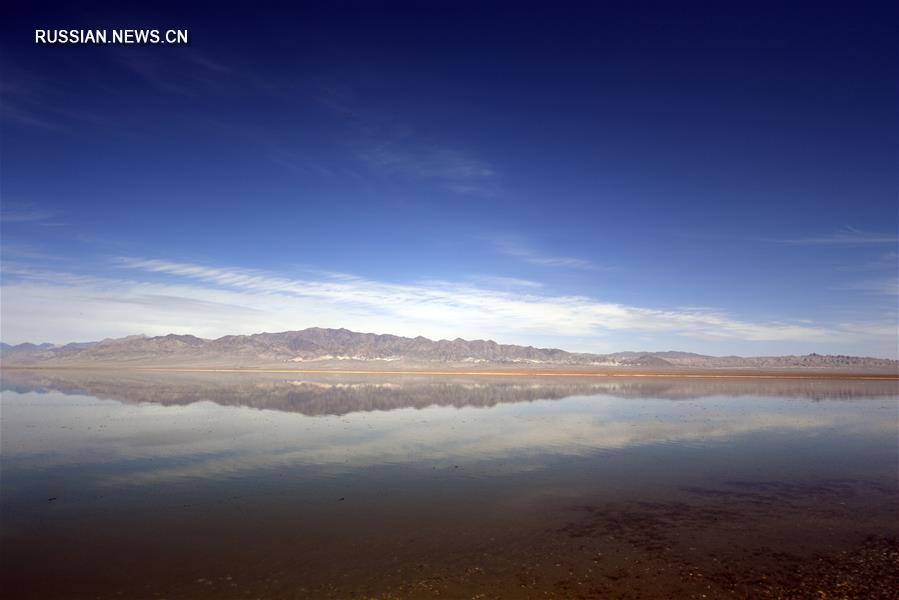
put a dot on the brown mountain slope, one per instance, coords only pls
(332, 348)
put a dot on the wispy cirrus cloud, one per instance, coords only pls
(29, 100)
(25, 118)
(506, 282)
(452, 169)
(880, 275)
(390, 149)
(25, 251)
(520, 250)
(187, 76)
(886, 260)
(438, 309)
(156, 297)
(848, 236)
(24, 213)
(888, 286)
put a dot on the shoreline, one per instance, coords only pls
(684, 374)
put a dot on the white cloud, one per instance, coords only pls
(885, 261)
(519, 250)
(506, 282)
(159, 297)
(25, 251)
(22, 213)
(887, 286)
(848, 236)
(455, 170)
(390, 149)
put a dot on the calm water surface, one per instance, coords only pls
(141, 485)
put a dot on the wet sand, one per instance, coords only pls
(822, 375)
(804, 374)
(746, 540)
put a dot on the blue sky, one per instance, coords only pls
(710, 178)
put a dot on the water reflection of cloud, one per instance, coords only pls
(151, 443)
(340, 393)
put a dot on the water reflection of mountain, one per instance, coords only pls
(345, 393)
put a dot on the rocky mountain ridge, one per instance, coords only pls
(318, 347)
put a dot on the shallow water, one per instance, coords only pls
(149, 485)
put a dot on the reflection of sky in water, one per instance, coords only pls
(114, 444)
(127, 485)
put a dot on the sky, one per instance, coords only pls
(707, 177)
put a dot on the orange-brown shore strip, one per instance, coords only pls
(507, 373)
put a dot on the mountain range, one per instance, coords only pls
(340, 348)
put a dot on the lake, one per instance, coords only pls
(247, 485)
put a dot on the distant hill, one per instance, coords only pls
(26, 347)
(330, 348)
